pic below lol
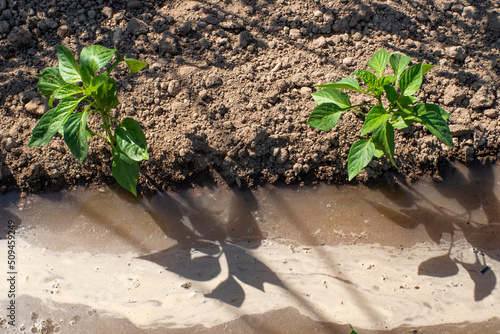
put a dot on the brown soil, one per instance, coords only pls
(226, 95)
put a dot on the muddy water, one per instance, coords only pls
(296, 259)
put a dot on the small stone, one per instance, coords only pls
(51, 24)
(4, 27)
(282, 156)
(306, 91)
(455, 52)
(453, 94)
(107, 12)
(483, 98)
(91, 13)
(183, 29)
(295, 34)
(282, 86)
(213, 80)
(349, 61)
(137, 27)
(174, 87)
(422, 16)
(297, 168)
(203, 94)
(470, 12)
(64, 31)
(245, 39)
(20, 37)
(168, 44)
(491, 113)
(8, 144)
(277, 67)
(117, 35)
(135, 4)
(33, 105)
(319, 42)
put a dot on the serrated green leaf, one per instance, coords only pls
(437, 126)
(95, 57)
(376, 117)
(383, 138)
(50, 80)
(68, 67)
(392, 95)
(332, 95)
(131, 140)
(411, 80)
(52, 121)
(422, 108)
(369, 79)
(379, 61)
(134, 65)
(75, 135)
(426, 68)
(125, 170)
(325, 116)
(399, 63)
(346, 83)
(360, 155)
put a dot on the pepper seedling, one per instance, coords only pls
(85, 85)
(399, 111)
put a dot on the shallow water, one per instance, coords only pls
(213, 256)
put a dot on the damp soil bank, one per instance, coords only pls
(227, 92)
(386, 259)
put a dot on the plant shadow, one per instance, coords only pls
(473, 190)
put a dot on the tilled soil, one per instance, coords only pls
(227, 92)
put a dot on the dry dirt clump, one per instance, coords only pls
(227, 93)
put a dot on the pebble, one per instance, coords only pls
(305, 91)
(491, 113)
(455, 52)
(117, 35)
(319, 42)
(20, 37)
(92, 14)
(213, 80)
(295, 34)
(349, 61)
(297, 168)
(137, 27)
(245, 38)
(4, 27)
(8, 144)
(51, 24)
(184, 28)
(482, 99)
(470, 12)
(63, 31)
(107, 12)
(174, 87)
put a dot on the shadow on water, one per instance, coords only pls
(473, 190)
(204, 244)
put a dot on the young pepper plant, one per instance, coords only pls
(80, 86)
(398, 110)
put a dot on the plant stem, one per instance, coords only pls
(107, 126)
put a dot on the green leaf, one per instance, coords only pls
(131, 140)
(50, 80)
(387, 80)
(67, 90)
(411, 80)
(437, 126)
(332, 95)
(346, 83)
(95, 57)
(134, 65)
(75, 135)
(376, 117)
(401, 121)
(360, 155)
(422, 108)
(106, 94)
(426, 68)
(325, 116)
(399, 63)
(52, 121)
(383, 138)
(379, 61)
(96, 82)
(68, 67)
(405, 101)
(369, 79)
(125, 170)
(86, 76)
(378, 153)
(392, 95)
